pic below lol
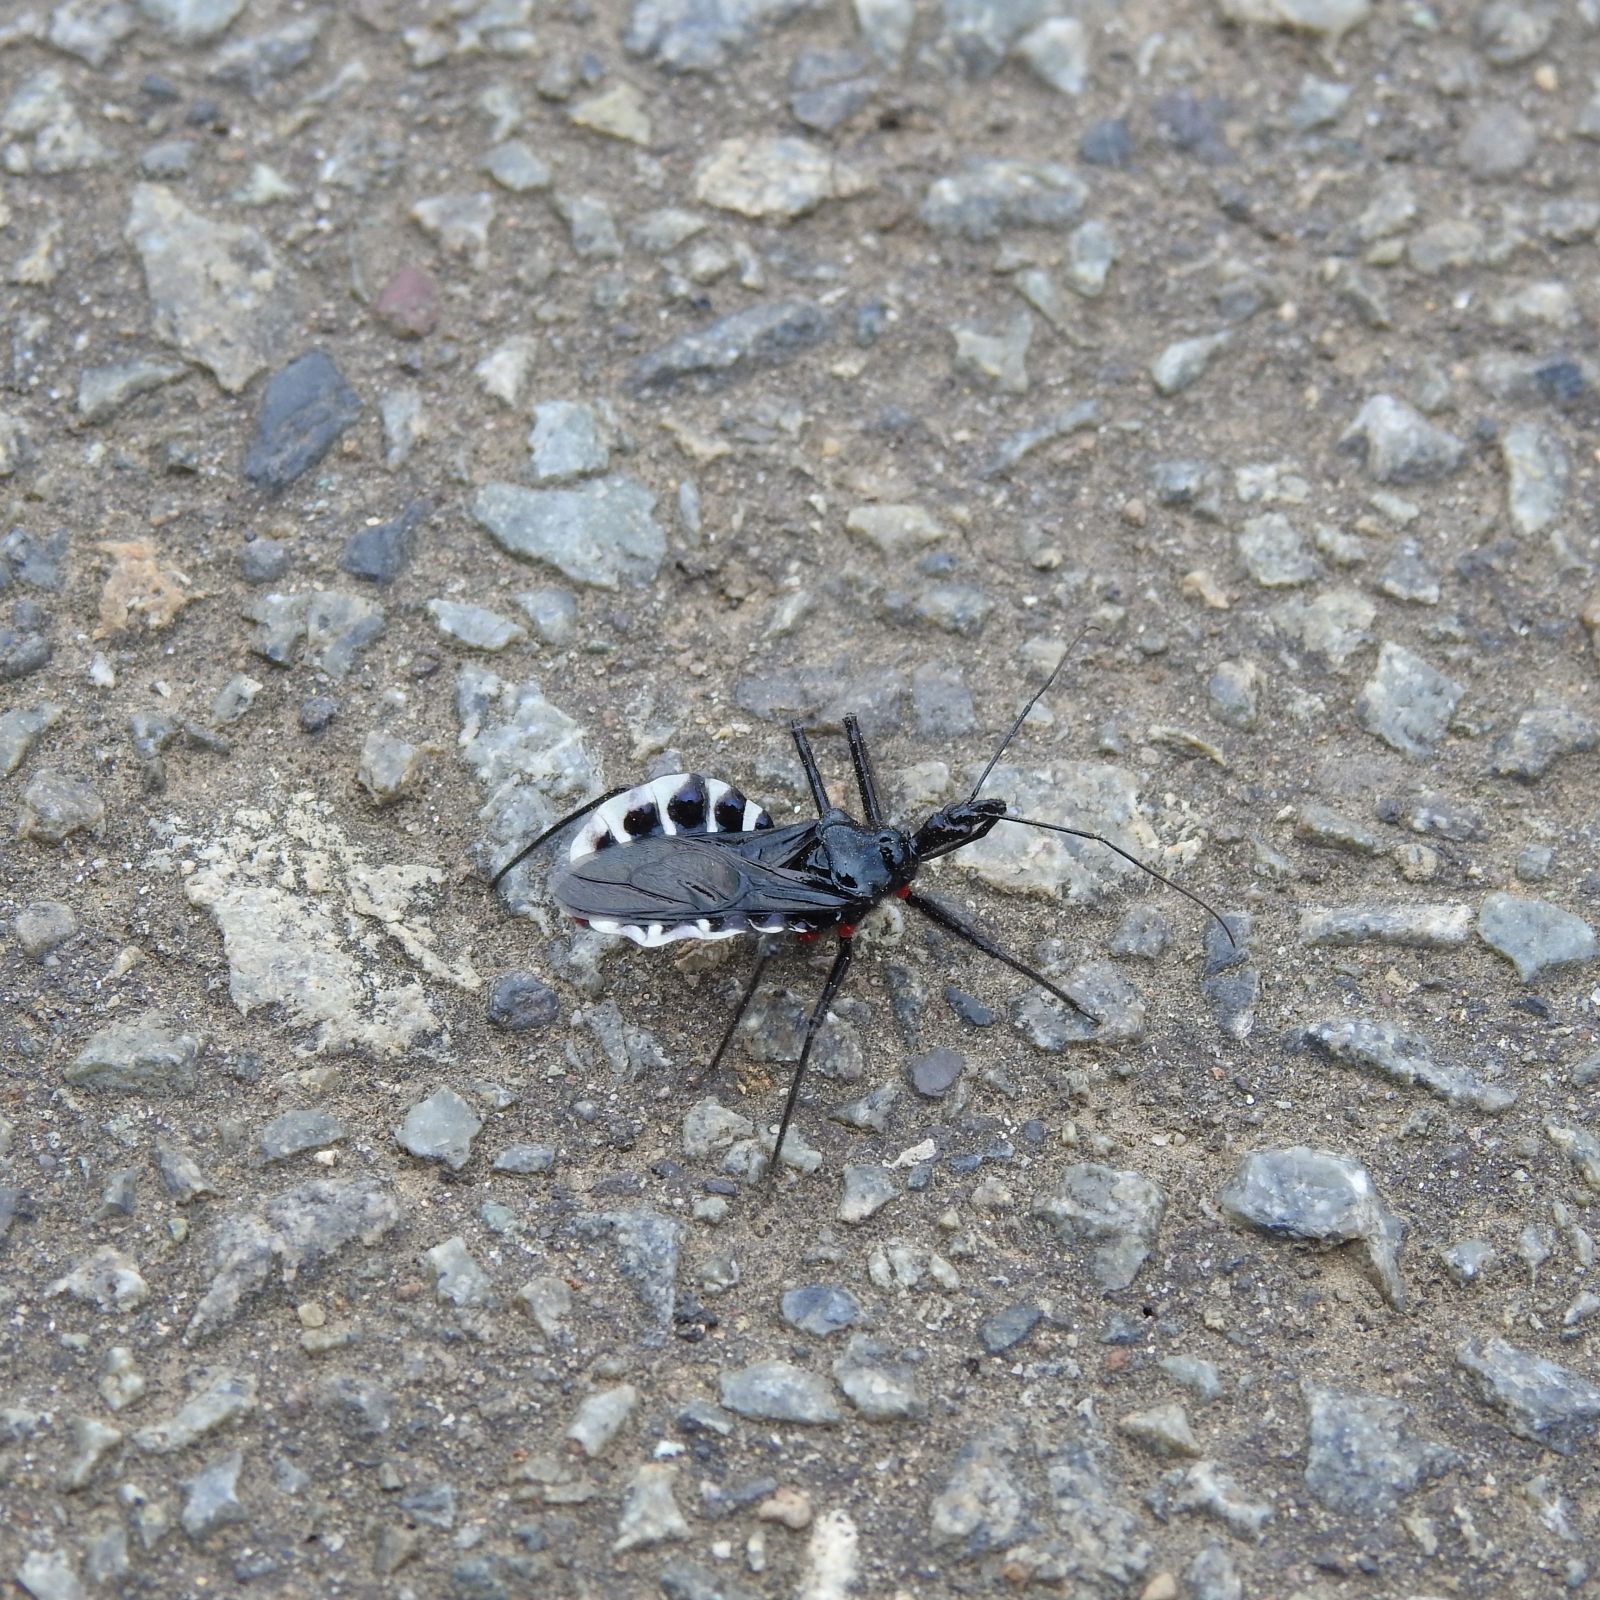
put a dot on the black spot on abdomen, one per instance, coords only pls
(687, 808)
(641, 821)
(730, 812)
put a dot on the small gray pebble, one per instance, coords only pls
(316, 712)
(263, 560)
(1004, 1330)
(520, 1000)
(42, 926)
(525, 1159)
(820, 1309)
(935, 1072)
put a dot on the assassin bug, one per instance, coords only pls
(688, 857)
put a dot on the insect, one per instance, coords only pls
(689, 857)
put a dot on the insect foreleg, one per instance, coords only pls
(766, 949)
(953, 922)
(871, 806)
(841, 965)
(819, 792)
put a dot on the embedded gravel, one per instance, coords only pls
(418, 419)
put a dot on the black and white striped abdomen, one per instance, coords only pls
(681, 802)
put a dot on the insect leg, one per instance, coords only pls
(952, 921)
(819, 793)
(871, 807)
(841, 965)
(555, 828)
(765, 951)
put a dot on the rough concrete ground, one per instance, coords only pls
(419, 417)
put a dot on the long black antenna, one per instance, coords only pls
(1039, 694)
(1079, 833)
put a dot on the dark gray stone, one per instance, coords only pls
(522, 1000)
(935, 1073)
(700, 35)
(379, 554)
(1006, 1329)
(1542, 737)
(316, 712)
(1106, 143)
(1549, 1404)
(36, 563)
(525, 1160)
(1360, 1454)
(294, 1131)
(1300, 1193)
(602, 532)
(305, 407)
(1535, 936)
(778, 1391)
(22, 650)
(820, 1309)
(760, 336)
(263, 560)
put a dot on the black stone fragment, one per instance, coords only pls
(1005, 1329)
(380, 553)
(304, 409)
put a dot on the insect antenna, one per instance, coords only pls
(1038, 695)
(1079, 833)
(555, 828)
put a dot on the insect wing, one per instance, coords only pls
(685, 879)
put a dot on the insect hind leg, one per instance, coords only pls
(952, 921)
(819, 790)
(830, 990)
(765, 951)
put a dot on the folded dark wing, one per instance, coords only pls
(676, 879)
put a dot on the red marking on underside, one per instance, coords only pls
(903, 892)
(807, 938)
(583, 922)
(847, 930)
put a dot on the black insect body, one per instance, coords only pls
(688, 857)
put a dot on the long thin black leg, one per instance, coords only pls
(871, 807)
(819, 793)
(953, 922)
(555, 828)
(765, 951)
(841, 965)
